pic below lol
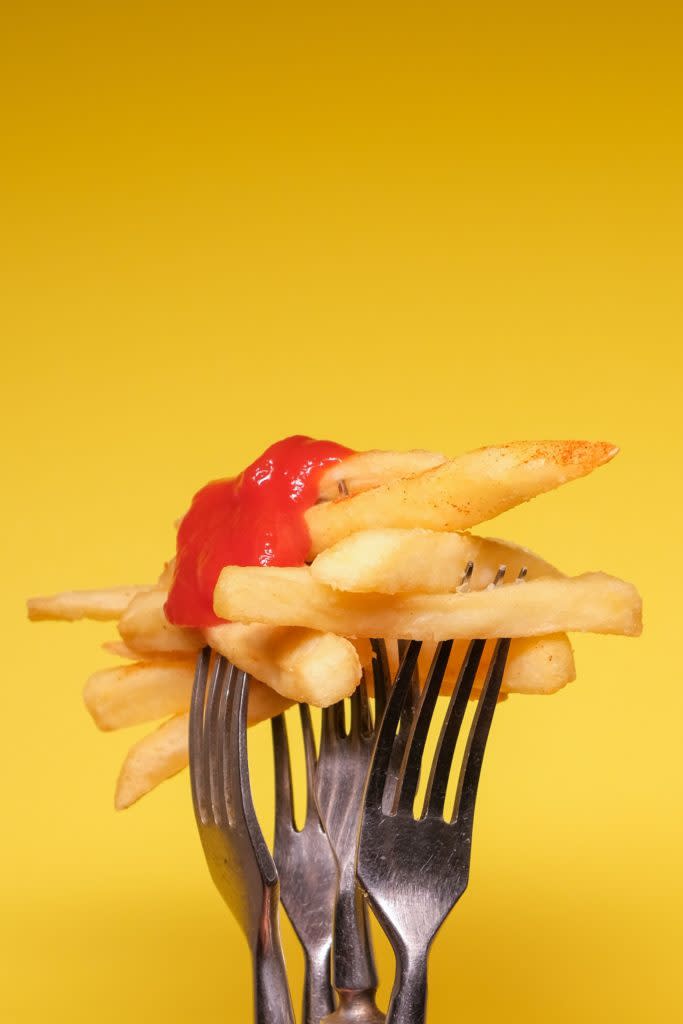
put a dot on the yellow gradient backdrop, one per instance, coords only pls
(436, 225)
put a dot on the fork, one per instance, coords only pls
(239, 861)
(343, 763)
(307, 869)
(340, 778)
(414, 870)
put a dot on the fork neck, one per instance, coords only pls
(272, 998)
(409, 997)
(354, 966)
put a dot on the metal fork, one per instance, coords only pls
(415, 870)
(343, 764)
(341, 774)
(239, 860)
(307, 869)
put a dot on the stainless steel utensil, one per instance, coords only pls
(239, 860)
(307, 869)
(340, 777)
(414, 870)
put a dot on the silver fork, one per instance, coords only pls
(236, 853)
(307, 869)
(415, 870)
(340, 779)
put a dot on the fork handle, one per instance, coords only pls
(409, 997)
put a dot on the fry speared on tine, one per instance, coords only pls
(236, 853)
(399, 854)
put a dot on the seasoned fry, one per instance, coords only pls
(164, 752)
(145, 629)
(69, 606)
(142, 692)
(460, 493)
(292, 597)
(419, 561)
(301, 664)
(364, 470)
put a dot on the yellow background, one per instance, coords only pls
(434, 225)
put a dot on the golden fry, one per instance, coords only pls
(292, 597)
(301, 664)
(142, 692)
(103, 605)
(153, 759)
(364, 470)
(419, 561)
(118, 648)
(145, 629)
(460, 493)
(164, 752)
(541, 664)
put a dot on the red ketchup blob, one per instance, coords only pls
(256, 518)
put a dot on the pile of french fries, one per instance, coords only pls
(387, 559)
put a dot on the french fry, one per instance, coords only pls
(541, 664)
(71, 605)
(364, 470)
(120, 649)
(164, 752)
(292, 597)
(145, 629)
(142, 692)
(419, 561)
(152, 760)
(166, 576)
(264, 702)
(460, 493)
(300, 664)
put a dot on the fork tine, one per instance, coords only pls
(386, 738)
(284, 801)
(409, 776)
(409, 707)
(332, 725)
(407, 715)
(197, 777)
(310, 758)
(216, 711)
(236, 775)
(380, 676)
(210, 707)
(235, 744)
(441, 766)
(476, 741)
(361, 723)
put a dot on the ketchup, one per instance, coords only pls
(256, 518)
